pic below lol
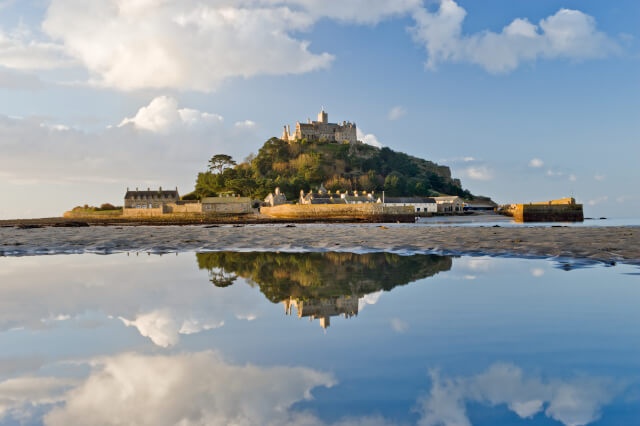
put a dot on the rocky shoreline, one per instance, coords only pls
(591, 244)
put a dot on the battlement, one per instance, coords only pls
(322, 130)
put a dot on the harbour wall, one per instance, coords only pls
(370, 211)
(563, 210)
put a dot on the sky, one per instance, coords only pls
(524, 100)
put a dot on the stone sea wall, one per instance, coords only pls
(340, 211)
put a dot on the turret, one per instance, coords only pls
(323, 117)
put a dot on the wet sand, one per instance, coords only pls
(600, 244)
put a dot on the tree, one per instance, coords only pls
(221, 161)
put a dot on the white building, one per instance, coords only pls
(420, 205)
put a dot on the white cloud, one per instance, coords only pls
(159, 309)
(163, 326)
(599, 177)
(537, 272)
(161, 145)
(21, 394)
(598, 200)
(245, 123)
(188, 44)
(397, 112)
(186, 389)
(478, 172)
(21, 51)
(553, 173)
(19, 81)
(162, 115)
(569, 34)
(398, 325)
(575, 401)
(369, 138)
(536, 163)
(572, 178)
(369, 299)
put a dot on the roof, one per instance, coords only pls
(225, 200)
(358, 198)
(151, 194)
(409, 200)
(328, 201)
(448, 198)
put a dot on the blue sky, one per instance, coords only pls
(525, 100)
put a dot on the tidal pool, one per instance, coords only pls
(316, 339)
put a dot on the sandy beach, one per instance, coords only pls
(597, 244)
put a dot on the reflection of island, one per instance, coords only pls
(320, 285)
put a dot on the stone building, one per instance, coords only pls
(324, 196)
(321, 130)
(275, 198)
(449, 204)
(323, 309)
(149, 199)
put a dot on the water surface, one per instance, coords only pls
(316, 338)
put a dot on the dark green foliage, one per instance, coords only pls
(338, 166)
(308, 276)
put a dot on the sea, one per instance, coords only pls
(274, 338)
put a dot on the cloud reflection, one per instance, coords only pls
(575, 401)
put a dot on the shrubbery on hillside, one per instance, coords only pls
(339, 166)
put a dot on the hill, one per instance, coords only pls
(338, 166)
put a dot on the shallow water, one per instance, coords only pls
(316, 338)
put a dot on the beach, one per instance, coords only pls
(591, 244)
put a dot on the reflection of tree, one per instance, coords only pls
(307, 276)
(320, 285)
(220, 279)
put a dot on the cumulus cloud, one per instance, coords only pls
(20, 395)
(368, 138)
(162, 144)
(398, 325)
(21, 50)
(185, 44)
(479, 172)
(397, 112)
(575, 401)
(598, 200)
(536, 163)
(158, 309)
(369, 299)
(163, 115)
(569, 34)
(187, 389)
(163, 326)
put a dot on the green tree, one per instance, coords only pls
(220, 162)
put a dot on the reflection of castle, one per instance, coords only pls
(320, 285)
(324, 309)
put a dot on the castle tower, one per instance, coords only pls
(323, 117)
(285, 134)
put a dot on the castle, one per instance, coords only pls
(321, 130)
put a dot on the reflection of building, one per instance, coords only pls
(324, 309)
